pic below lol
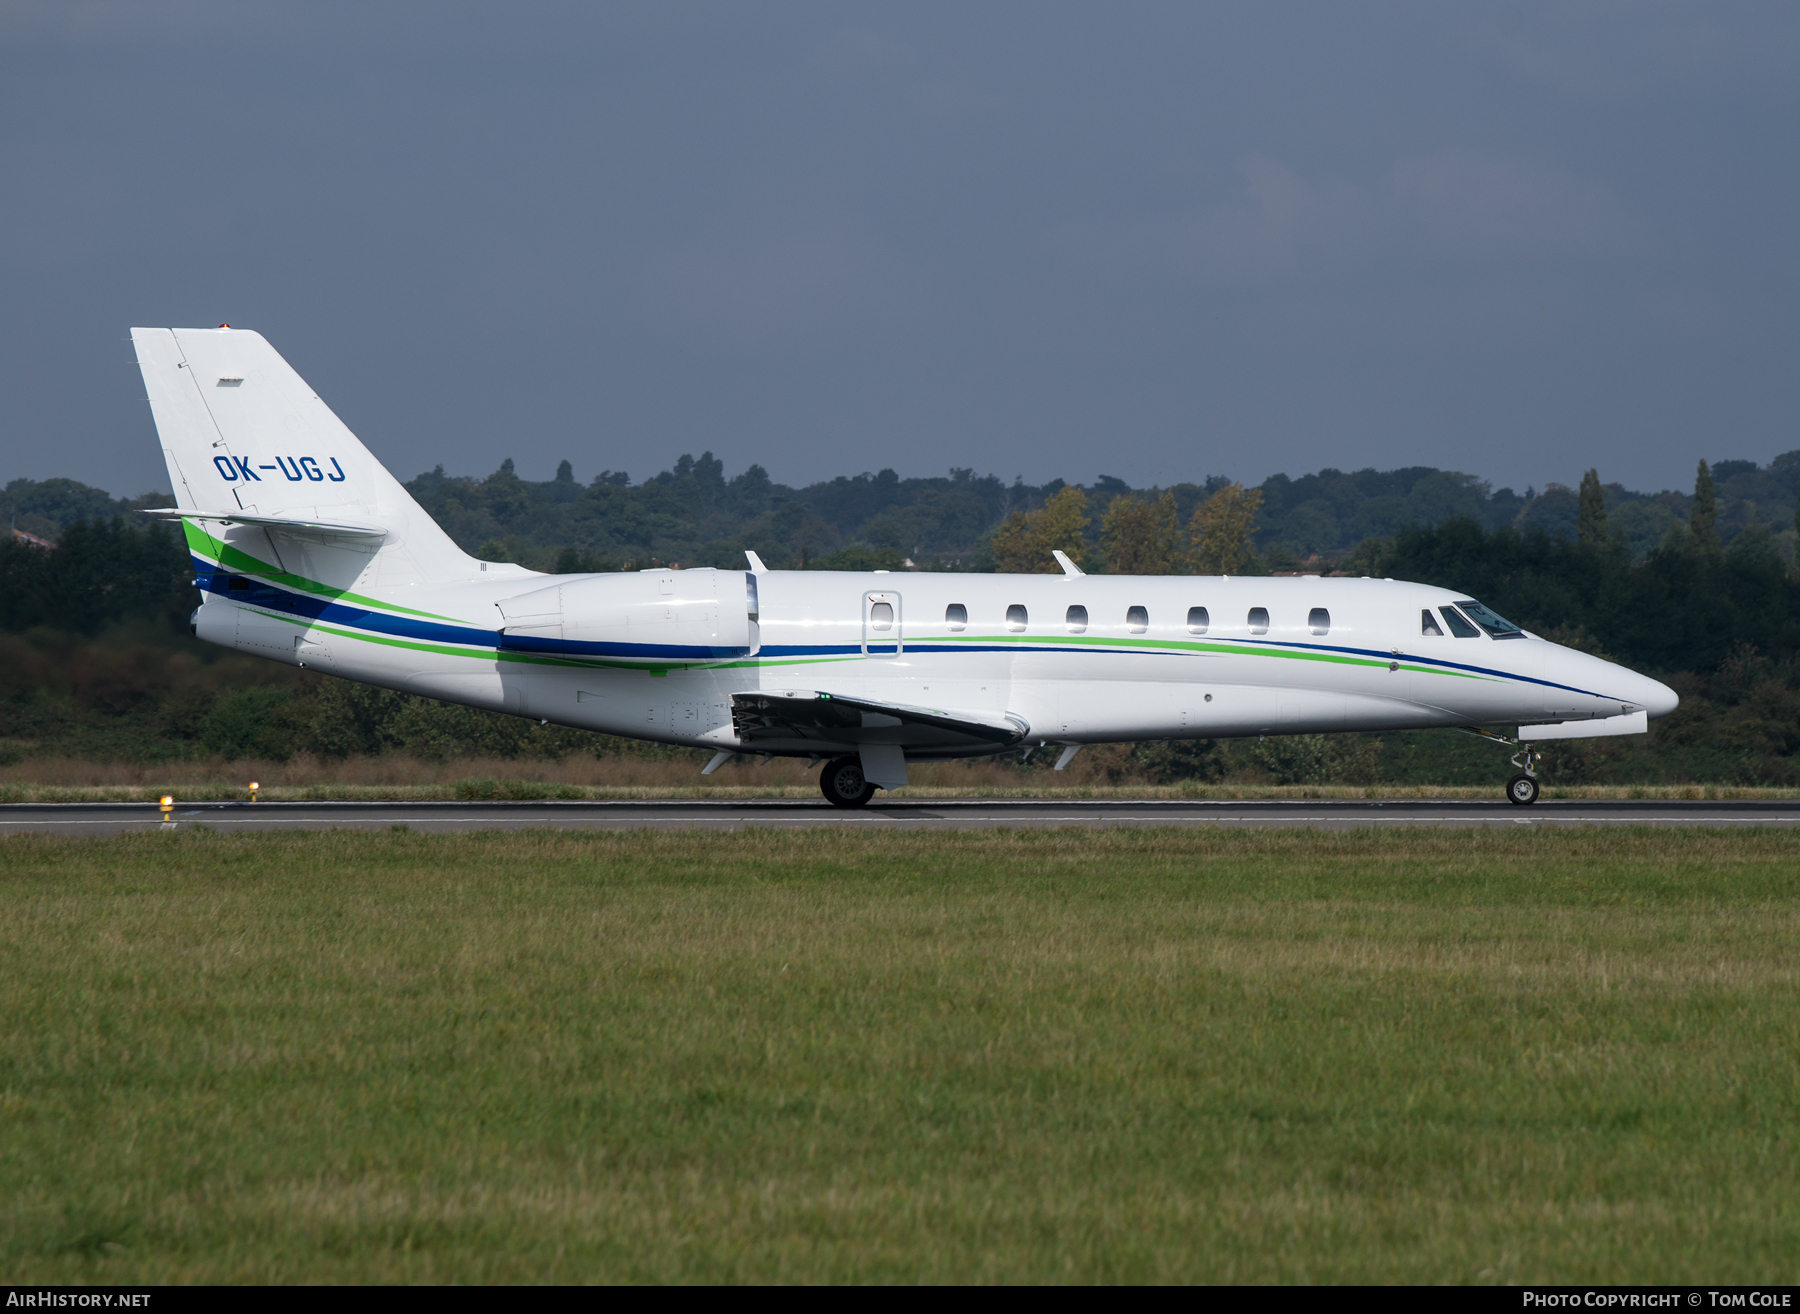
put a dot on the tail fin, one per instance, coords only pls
(242, 433)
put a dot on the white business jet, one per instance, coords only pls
(307, 551)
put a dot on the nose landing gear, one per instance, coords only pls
(1522, 789)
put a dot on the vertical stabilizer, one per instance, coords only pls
(241, 431)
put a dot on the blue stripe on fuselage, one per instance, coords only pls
(1273, 645)
(282, 600)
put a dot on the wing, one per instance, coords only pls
(807, 719)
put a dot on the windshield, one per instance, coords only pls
(1498, 626)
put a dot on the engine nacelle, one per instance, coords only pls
(672, 615)
(215, 621)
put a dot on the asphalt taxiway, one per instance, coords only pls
(905, 814)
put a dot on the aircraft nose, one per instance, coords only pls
(1658, 699)
(1633, 690)
(1653, 696)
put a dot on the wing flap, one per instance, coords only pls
(826, 718)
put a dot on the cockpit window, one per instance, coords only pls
(1458, 626)
(1428, 625)
(1498, 626)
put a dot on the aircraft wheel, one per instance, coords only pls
(843, 785)
(1522, 790)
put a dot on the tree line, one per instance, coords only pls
(1682, 605)
(1138, 535)
(100, 662)
(693, 514)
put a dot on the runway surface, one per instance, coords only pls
(906, 814)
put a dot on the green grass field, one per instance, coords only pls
(1446, 1056)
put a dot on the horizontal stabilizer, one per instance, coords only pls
(361, 530)
(826, 718)
(1636, 723)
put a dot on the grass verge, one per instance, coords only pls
(1154, 1055)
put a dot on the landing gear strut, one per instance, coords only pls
(1522, 789)
(843, 784)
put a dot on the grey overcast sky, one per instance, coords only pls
(1150, 240)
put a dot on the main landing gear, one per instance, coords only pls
(1522, 789)
(841, 781)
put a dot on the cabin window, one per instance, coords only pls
(1198, 620)
(1137, 619)
(956, 615)
(1017, 618)
(881, 615)
(1498, 626)
(1458, 626)
(1428, 625)
(1259, 620)
(238, 584)
(1318, 620)
(1077, 619)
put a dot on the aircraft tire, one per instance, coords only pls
(1522, 790)
(843, 785)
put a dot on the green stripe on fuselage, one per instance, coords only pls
(653, 667)
(536, 659)
(1224, 649)
(204, 544)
